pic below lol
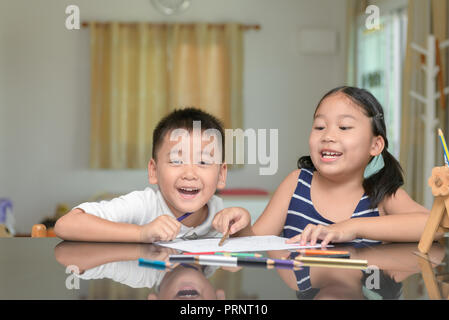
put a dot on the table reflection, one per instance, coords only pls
(389, 265)
(118, 262)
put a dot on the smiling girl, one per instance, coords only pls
(349, 188)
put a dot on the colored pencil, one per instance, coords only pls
(443, 142)
(201, 253)
(236, 261)
(156, 264)
(333, 262)
(310, 252)
(184, 216)
(226, 234)
(239, 254)
(224, 253)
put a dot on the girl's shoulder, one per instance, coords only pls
(294, 176)
(290, 181)
(400, 202)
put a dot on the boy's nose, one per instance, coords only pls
(189, 172)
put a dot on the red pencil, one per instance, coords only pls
(202, 253)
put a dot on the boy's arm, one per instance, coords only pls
(80, 226)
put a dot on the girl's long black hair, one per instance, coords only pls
(389, 178)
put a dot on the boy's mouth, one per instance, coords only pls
(330, 155)
(188, 193)
(187, 294)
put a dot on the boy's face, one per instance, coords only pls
(186, 174)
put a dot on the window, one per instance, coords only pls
(380, 55)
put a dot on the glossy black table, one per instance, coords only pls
(49, 268)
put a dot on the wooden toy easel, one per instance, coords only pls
(439, 215)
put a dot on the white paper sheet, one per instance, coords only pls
(238, 244)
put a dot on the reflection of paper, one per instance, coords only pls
(238, 244)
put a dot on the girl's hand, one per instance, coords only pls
(240, 217)
(163, 228)
(338, 232)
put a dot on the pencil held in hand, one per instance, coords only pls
(226, 234)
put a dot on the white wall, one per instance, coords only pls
(3, 192)
(46, 91)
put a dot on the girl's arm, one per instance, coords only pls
(403, 221)
(272, 220)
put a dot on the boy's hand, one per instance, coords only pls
(240, 217)
(338, 232)
(163, 228)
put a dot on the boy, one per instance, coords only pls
(187, 171)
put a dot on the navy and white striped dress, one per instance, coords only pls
(301, 212)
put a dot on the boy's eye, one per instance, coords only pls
(178, 162)
(345, 128)
(318, 128)
(205, 162)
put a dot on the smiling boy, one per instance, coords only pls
(187, 174)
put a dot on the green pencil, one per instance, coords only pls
(239, 254)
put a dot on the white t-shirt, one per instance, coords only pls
(131, 274)
(142, 207)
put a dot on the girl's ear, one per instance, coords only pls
(377, 146)
(152, 176)
(222, 176)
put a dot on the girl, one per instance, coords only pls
(348, 190)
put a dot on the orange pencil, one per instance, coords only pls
(321, 252)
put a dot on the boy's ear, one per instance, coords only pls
(377, 146)
(222, 174)
(152, 177)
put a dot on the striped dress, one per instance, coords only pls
(301, 212)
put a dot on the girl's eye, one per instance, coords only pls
(345, 128)
(318, 128)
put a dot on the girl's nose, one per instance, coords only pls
(329, 135)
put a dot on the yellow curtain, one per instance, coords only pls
(140, 72)
(422, 16)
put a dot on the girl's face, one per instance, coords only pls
(341, 142)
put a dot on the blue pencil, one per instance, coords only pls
(155, 264)
(445, 151)
(184, 216)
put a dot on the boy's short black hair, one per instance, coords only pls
(183, 119)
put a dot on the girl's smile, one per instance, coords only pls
(329, 155)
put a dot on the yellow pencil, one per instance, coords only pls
(446, 153)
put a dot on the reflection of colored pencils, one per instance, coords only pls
(443, 142)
